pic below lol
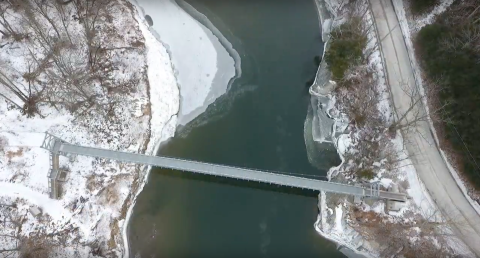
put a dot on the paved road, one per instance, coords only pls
(429, 163)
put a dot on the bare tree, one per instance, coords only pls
(40, 30)
(43, 8)
(467, 37)
(89, 13)
(412, 237)
(11, 225)
(72, 69)
(415, 112)
(395, 159)
(9, 30)
(32, 246)
(465, 12)
(362, 97)
(26, 96)
(70, 64)
(64, 13)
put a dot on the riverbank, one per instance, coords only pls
(94, 199)
(322, 89)
(163, 117)
(370, 226)
(203, 66)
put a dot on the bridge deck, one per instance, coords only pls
(227, 171)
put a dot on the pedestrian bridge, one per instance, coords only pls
(58, 147)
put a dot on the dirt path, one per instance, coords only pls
(427, 159)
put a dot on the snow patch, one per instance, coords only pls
(203, 67)
(162, 84)
(95, 191)
(339, 218)
(54, 208)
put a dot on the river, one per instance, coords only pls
(258, 124)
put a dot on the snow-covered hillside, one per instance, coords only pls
(97, 194)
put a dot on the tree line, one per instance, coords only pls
(449, 51)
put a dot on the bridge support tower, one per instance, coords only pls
(52, 144)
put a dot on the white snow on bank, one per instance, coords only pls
(336, 230)
(343, 142)
(199, 63)
(333, 229)
(330, 223)
(52, 207)
(164, 93)
(95, 191)
(428, 18)
(406, 31)
(164, 109)
(338, 218)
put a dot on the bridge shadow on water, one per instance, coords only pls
(235, 182)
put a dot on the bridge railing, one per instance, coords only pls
(199, 163)
(264, 176)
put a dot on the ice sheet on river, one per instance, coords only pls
(203, 66)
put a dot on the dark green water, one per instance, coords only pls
(258, 124)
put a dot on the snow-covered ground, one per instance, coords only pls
(333, 221)
(412, 26)
(163, 123)
(202, 65)
(97, 194)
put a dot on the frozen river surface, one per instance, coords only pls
(202, 65)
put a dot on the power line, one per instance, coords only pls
(474, 161)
